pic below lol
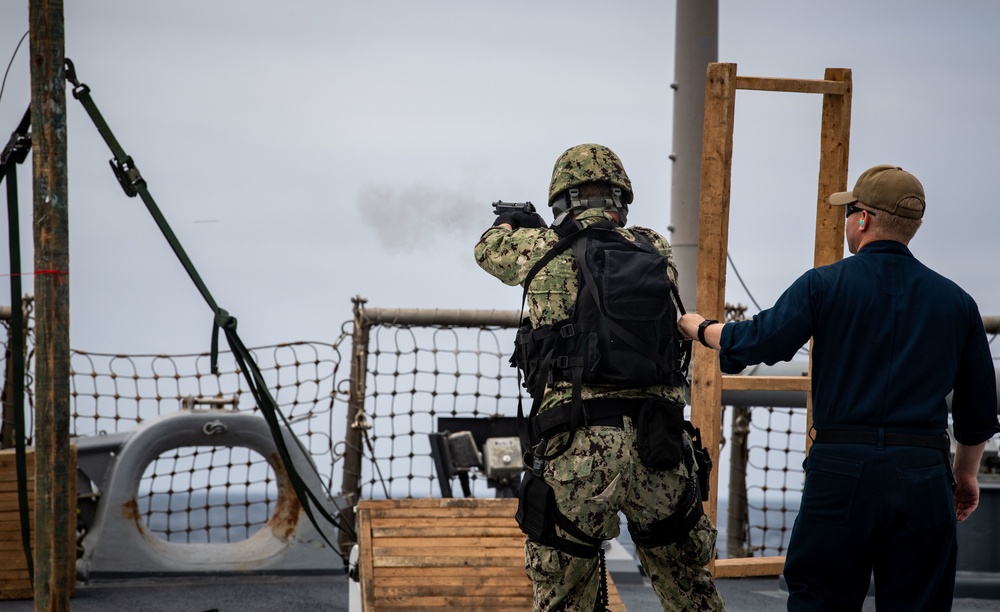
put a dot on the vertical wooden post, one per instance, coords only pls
(835, 144)
(717, 161)
(835, 141)
(54, 527)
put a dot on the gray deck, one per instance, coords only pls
(330, 593)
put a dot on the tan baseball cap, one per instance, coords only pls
(882, 187)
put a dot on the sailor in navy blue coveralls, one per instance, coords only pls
(892, 339)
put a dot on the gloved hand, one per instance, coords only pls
(519, 219)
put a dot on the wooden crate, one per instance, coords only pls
(14, 583)
(445, 554)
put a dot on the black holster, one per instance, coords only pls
(660, 434)
(537, 516)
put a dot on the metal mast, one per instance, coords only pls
(696, 44)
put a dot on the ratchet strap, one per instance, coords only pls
(14, 153)
(133, 184)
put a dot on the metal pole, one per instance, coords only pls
(438, 316)
(54, 526)
(738, 511)
(350, 486)
(696, 45)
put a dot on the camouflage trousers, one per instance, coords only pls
(599, 476)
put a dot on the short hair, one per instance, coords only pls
(888, 226)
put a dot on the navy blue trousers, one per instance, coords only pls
(887, 512)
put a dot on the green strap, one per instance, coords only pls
(133, 184)
(14, 153)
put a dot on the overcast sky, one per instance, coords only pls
(305, 152)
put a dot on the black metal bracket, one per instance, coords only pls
(19, 144)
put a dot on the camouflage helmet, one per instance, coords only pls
(586, 163)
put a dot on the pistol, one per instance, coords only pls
(500, 207)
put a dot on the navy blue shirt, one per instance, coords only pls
(891, 339)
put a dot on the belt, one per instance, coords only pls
(883, 438)
(597, 412)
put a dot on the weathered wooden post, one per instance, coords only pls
(54, 529)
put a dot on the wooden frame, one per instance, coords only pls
(713, 242)
(14, 582)
(455, 554)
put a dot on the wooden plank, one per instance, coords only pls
(827, 87)
(12, 563)
(753, 566)
(456, 552)
(402, 573)
(10, 548)
(14, 582)
(455, 608)
(10, 511)
(414, 531)
(365, 557)
(436, 589)
(16, 592)
(767, 383)
(458, 556)
(471, 503)
(472, 604)
(445, 540)
(10, 508)
(410, 520)
(464, 561)
(503, 512)
(452, 603)
(420, 598)
(480, 579)
(713, 238)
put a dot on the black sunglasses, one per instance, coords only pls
(850, 209)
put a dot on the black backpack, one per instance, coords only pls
(622, 330)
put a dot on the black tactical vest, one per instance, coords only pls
(622, 330)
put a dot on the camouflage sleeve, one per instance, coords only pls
(510, 254)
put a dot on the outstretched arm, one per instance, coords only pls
(688, 326)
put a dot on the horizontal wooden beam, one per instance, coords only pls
(792, 85)
(751, 566)
(766, 383)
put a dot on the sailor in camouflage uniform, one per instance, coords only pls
(599, 474)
